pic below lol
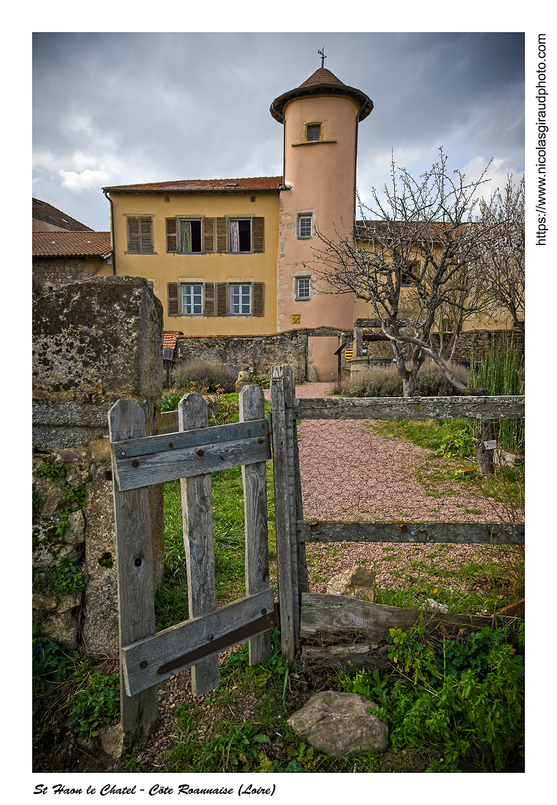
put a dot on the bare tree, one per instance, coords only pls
(412, 258)
(501, 260)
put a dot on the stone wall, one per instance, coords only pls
(94, 342)
(50, 274)
(255, 354)
(475, 344)
(471, 345)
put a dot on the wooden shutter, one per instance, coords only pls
(258, 290)
(221, 236)
(133, 235)
(208, 225)
(209, 297)
(222, 298)
(258, 231)
(171, 235)
(173, 299)
(146, 235)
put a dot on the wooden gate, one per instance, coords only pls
(190, 454)
(293, 532)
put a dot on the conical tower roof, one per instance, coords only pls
(322, 82)
(322, 76)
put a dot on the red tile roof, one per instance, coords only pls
(322, 82)
(169, 340)
(202, 185)
(71, 244)
(50, 215)
(322, 76)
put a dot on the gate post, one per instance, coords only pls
(134, 562)
(254, 478)
(284, 472)
(197, 515)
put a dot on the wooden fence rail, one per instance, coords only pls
(191, 454)
(293, 532)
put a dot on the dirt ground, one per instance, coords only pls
(347, 473)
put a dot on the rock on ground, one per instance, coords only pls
(356, 581)
(338, 723)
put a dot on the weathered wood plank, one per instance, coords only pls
(134, 561)
(254, 478)
(301, 558)
(197, 437)
(459, 533)
(341, 614)
(186, 462)
(282, 394)
(355, 655)
(197, 515)
(501, 407)
(143, 659)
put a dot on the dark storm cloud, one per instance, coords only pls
(115, 108)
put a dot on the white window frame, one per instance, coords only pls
(191, 298)
(307, 286)
(240, 299)
(305, 218)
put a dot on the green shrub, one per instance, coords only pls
(457, 442)
(430, 382)
(62, 579)
(50, 469)
(465, 697)
(501, 371)
(206, 375)
(169, 402)
(96, 704)
(50, 661)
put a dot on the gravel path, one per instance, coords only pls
(349, 473)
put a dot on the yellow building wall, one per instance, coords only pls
(477, 321)
(163, 267)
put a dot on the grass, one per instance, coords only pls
(470, 719)
(171, 599)
(451, 464)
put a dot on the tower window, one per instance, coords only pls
(304, 226)
(313, 132)
(302, 288)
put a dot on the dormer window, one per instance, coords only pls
(313, 132)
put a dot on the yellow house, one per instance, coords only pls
(234, 256)
(229, 256)
(208, 246)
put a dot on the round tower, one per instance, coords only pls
(320, 119)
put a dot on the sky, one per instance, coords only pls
(124, 108)
(87, 110)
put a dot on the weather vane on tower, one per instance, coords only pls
(322, 54)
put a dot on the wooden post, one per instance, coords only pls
(485, 443)
(282, 398)
(254, 477)
(358, 341)
(197, 514)
(134, 558)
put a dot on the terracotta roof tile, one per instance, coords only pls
(71, 244)
(322, 76)
(203, 185)
(46, 212)
(169, 340)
